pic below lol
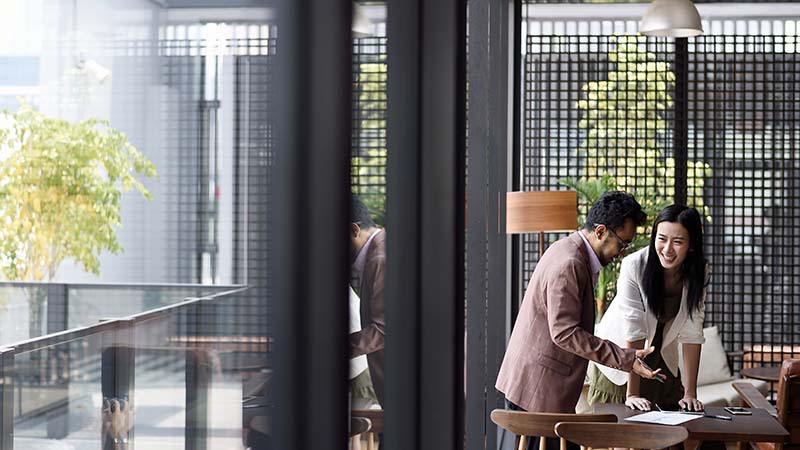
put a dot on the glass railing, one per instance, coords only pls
(29, 310)
(174, 377)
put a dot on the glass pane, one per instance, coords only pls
(58, 394)
(151, 131)
(368, 237)
(91, 304)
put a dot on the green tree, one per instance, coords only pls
(623, 118)
(60, 190)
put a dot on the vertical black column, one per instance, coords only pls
(309, 248)
(681, 132)
(57, 307)
(7, 398)
(117, 373)
(425, 225)
(198, 386)
(58, 357)
(490, 75)
(516, 287)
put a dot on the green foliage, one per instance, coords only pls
(60, 187)
(625, 143)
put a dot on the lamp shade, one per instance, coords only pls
(675, 18)
(535, 211)
(540, 211)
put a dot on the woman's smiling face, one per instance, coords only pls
(672, 245)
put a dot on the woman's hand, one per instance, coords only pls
(636, 402)
(688, 403)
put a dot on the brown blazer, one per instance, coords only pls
(371, 339)
(552, 341)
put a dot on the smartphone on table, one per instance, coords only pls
(737, 410)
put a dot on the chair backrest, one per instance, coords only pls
(621, 435)
(524, 424)
(375, 417)
(789, 398)
(359, 425)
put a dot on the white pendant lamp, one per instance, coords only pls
(675, 18)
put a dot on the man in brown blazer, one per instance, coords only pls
(368, 252)
(552, 341)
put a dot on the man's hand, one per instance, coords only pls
(636, 402)
(639, 368)
(690, 404)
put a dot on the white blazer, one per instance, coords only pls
(359, 363)
(629, 319)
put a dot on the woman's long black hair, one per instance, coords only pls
(693, 267)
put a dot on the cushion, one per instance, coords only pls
(723, 394)
(713, 360)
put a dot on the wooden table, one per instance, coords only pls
(758, 427)
(765, 373)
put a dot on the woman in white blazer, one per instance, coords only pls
(660, 301)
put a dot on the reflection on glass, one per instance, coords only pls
(367, 338)
(193, 92)
(172, 379)
(367, 236)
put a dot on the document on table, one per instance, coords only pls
(663, 418)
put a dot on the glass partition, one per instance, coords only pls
(183, 94)
(29, 310)
(90, 304)
(157, 380)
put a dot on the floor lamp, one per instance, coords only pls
(540, 212)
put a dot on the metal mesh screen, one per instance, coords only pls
(744, 94)
(742, 163)
(183, 76)
(596, 105)
(368, 173)
(194, 211)
(534, 2)
(254, 162)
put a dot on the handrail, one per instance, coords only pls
(62, 337)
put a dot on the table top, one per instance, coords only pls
(766, 373)
(758, 427)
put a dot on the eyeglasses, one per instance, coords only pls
(622, 244)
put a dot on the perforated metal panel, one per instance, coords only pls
(368, 172)
(743, 108)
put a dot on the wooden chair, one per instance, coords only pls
(358, 426)
(375, 416)
(625, 435)
(788, 404)
(524, 424)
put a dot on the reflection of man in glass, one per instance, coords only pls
(368, 255)
(362, 394)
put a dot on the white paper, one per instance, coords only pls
(663, 418)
